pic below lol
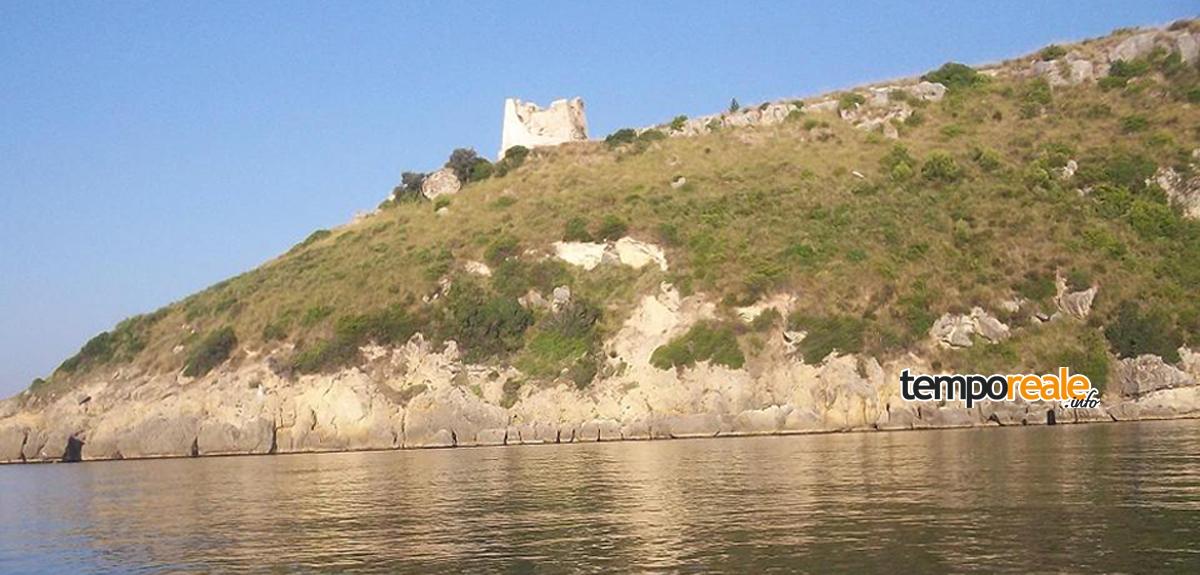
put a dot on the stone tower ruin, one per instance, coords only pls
(527, 125)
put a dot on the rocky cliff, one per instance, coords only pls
(767, 270)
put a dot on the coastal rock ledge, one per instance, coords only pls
(419, 396)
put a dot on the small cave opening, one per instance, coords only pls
(74, 451)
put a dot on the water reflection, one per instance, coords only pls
(1103, 497)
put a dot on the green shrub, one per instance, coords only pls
(1152, 219)
(409, 189)
(513, 158)
(705, 341)
(611, 228)
(1079, 279)
(1036, 95)
(734, 105)
(211, 351)
(515, 277)
(1135, 332)
(575, 230)
(678, 122)
(1134, 123)
(275, 331)
(827, 334)
(622, 136)
(462, 161)
(1112, 201)
(1037, 286)
(502, 248)
(441, 202)
(955, 76)
(916, 118)
(1120, 168)
(483, 325)
(850, 100)
(389, 326)
(561, 340)
(1092, 360)
(1052, 52)
(898, 164)
(940, 167)
(481, 169)
(988, 160)
(651, 135)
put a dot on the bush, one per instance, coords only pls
(898, 164)
(612, 228)
(622, 136)
(462, 161)
(827, 334)
(1092, 360)
(941, 167)
(561, 340)
(389, 326)
(409, 189)
(481, 169)
(766, 320)
(514, 157)
(1134, 123)
(850, 100)
(514, 277)
(987, 160)
(575, 230)
(210, 352)
(501, 249)
(1037, 286)
(734, 105)
(1134, 333)
(1079, 279)
(678, 122)
(705, 341)
(955, 76)
(1120, 168)
(1035, 96)
(1052, 52)
(1153, 219)
(484, 326)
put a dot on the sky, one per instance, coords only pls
(150, 149)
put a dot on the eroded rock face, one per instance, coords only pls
(440, 183)
(1183, 192)
(625, 251)
(12, 442)
(955, 330)
(1145, 374)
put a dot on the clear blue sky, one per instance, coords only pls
(149, 149)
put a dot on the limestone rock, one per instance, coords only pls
(1138, 376)
(496, 436)
(690, 425)
(12, 441)
(525, 124)
(637, 254)
(1133, 47)
(1077, 304)
(227, 438)
(477, 268)
(930, 91)
(1182, 192)
(440, 183)
(761, 421)
(953, 330)
(160, 436)
(988, 326)
(560, 298)
(453, 413)
(586, 255)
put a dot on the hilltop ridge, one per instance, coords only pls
(767, 269)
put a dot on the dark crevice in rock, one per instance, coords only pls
(274, 439)
(995, 419)
(74, 451)
(453, 438)
(195, 447)
(1050, 418)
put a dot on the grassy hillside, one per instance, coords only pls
(876, 238)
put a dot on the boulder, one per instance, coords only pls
(440, 183)
(477, 268)
(953, 330)
(930, 91)
(1188, 46)
(1138, 376)
(988, 326)
(1133, 47)
(586, 255)
(1077, 304)
(12, 441)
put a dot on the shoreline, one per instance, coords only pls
(620, 440)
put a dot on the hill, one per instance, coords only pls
(768, 269)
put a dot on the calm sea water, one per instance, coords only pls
(1112, 498)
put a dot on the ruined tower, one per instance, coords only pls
(527, 125)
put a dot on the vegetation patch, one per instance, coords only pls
(706, 341)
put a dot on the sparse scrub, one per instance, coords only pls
(705, 341)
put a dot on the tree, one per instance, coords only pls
(461, 162)
(734, 105)
(409, 188)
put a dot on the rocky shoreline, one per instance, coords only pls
(422, 395)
